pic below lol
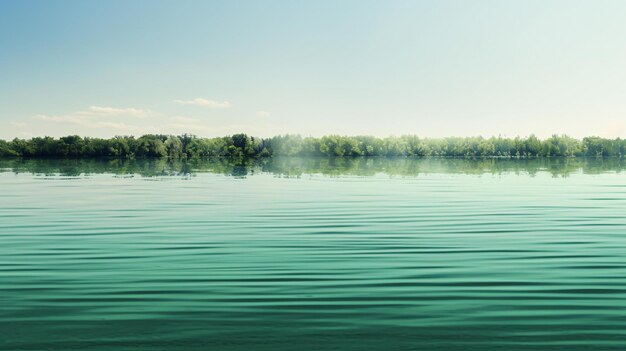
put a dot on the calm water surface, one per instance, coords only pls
(313, 254)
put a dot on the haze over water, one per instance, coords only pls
(313, 254)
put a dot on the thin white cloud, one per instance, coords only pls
(112, 111)
(92, 117)
(183, 124)
(205, 103)
(93, 112)
(119, 126)
(183, 119)
(107, 121)
(26, 134)
(20, 124)
(189, 128)
(91, 123)
(72, 118)
(203, 130)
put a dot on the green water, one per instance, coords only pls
(313, 254)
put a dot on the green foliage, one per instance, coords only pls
(174, 146)
(150, 146)
(244, 146)
(6, 149)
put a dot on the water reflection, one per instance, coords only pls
(299, 166)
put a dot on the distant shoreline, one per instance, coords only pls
(242, 145)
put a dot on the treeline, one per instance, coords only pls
(242, 145)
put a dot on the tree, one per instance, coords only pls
(241, 145)
(174, 147)
(150, 146)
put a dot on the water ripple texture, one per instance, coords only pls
(313, 255)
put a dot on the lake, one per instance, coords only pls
(313, 254)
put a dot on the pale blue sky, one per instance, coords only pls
(432, 68)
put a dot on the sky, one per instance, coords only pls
(214, 68)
